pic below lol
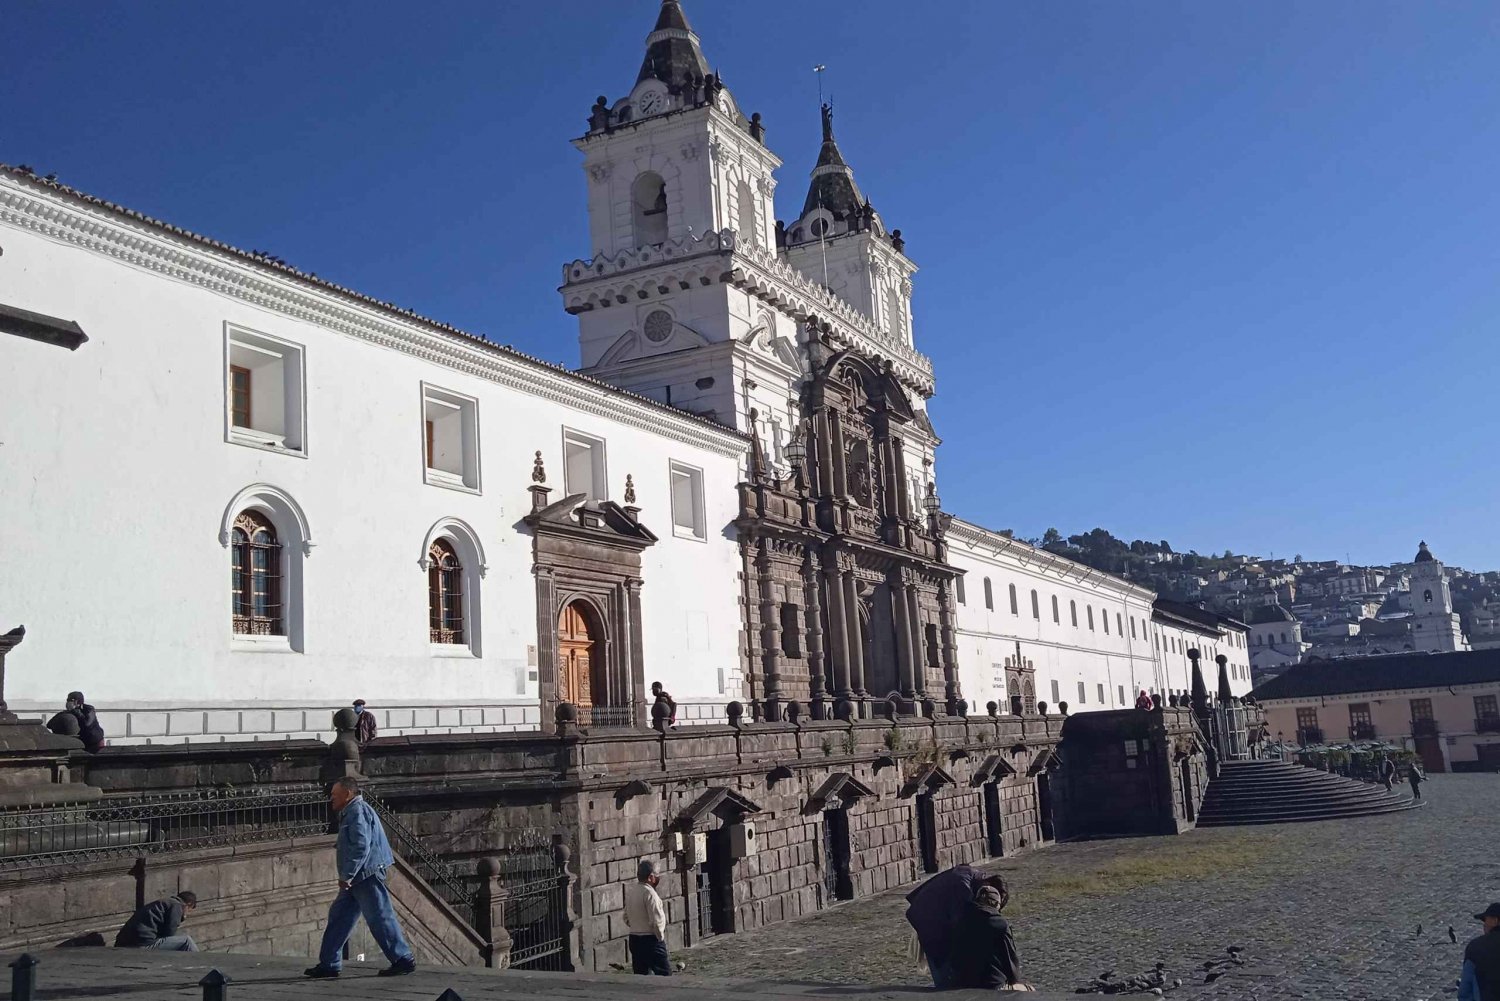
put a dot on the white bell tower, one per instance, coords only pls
(679, 181)
(1435, 627)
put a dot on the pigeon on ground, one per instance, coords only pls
(1452, 935)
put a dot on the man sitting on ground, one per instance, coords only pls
(154, 926)
(936, 907)
(984, 953)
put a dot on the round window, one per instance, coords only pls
(658, 326)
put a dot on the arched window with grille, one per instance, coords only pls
(255, 577)
(1055, 616)
(445, 598)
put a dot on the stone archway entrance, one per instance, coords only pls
(579, 658)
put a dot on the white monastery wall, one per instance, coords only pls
(119, 481)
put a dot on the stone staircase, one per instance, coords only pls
(1273, 792)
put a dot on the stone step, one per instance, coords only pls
(1304, 816)
(1274, 792)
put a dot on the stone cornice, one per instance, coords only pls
(60, 214)
(993, 545)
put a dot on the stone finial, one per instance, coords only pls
(1062, 707)
(1041, 708)
(793, 711)
(538, 469)
(993, 708)
(735, 711)
(843, 709)
(963, 707)
(629, 489)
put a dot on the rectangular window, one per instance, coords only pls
(1421, 709)
(1132, 627)
(958, 584)
(791, 630)
(1105, 616)
(688, 518)
(1122, 694)
(1485, 707)
(264, 391)
(1056, 617)
(450, 439)
(1015, 608)
(583, 466)
(1081, 699)
(1119, 624)
(1036, 607)
(1056, 693)
(1307, 719)
(1101, 695)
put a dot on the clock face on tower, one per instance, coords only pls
(650, 103)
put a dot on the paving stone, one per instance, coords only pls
(1323, 910)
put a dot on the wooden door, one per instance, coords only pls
(575, 653)
(1430, 750)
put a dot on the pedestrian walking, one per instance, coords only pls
(363, 855)
(78, 719)
(1480, 976)
(1416, 778)
(1387, 772)
(646, 924)
(365, 729)
(154, 925)
(984, 951)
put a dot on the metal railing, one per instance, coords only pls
(607, 716)
(32, 838)
(1310, 735)
(1487, 724)
(1361, 731)
(444, 879)
(535, 910)
(1424, 728)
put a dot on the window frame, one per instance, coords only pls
(699, 500)
(599, 468)
(468, 480)
(245, 624)
(292, 439)
(446, 596)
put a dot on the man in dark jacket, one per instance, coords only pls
(155, 925)
(365, 730)
(1480, 980)
(984, 953)
(84, 723)
(934, 911)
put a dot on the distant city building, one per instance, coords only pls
(1275, 638)
(1445, 706)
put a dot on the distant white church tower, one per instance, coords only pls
(1435, 626)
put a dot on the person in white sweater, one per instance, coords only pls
(646, 922)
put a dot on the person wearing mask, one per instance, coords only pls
(366, 729)
(984, 952)
(78, 719)
(1480, 978)
(646, 923)
(363, 855)
(933, 912)
(155, 925)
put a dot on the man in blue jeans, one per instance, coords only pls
(363, 857)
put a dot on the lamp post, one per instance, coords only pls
(796, 454)
(934, 507)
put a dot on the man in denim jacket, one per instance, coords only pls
(363, 857)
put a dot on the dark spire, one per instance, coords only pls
(672, 52)
(833, 186)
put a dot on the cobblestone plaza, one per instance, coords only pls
(1353, 909)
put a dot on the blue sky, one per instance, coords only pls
(1221, 273)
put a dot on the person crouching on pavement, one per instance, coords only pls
(154, 926)
(934, 912)
(984, 952)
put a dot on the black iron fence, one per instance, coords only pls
(607, 716)
(1487, 724)
(33, 838)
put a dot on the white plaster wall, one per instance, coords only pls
(116, 476)
(1059, 651)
